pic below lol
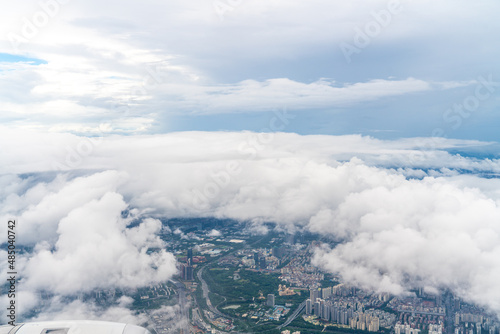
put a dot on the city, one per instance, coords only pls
(232, 281)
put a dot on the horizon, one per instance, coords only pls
(371, 127)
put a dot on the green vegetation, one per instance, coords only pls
(155, 303)
(328, 281)
(198, 294)
(216, 299)
(262, 241)
(247, 288)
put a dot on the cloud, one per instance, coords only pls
(407, 233)
(110, 101)
(119, 85)
(172, 316)
(118, 74)
(95, 251)
(82, 242)
(255, 96)
(400, 221)
(257, 227)
(58, 309)
(214, 233)
(104, 74)
(42, 206)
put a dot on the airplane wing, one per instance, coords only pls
(73, 327)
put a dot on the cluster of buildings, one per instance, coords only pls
(219, 322)
(473, 320)
(345, 306)
(300, 273)
(468, 317)
(261, 259)
(476, 328)
(429, 313)
(408, 329)
(156, 291)
(165, 322)
(340, 305)
(417, 306)
(365, 321)
(283, 290)
(275, 313)
(405, 329)
(187, 269)
(419, 313)
(209, 249)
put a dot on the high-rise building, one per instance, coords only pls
(335, 314)
(263, 264)
(374, 325)
(439, 300)
(182, 270)
(188, 276)
(353, 323)
(190, 256)
(278, 252)
(314, 294)
(405, 329)
(270, 300)
(317, 308)
(256, 259)
(326, 292)
(308, 307)
(325, 311)
(344, 319)
(435, 329)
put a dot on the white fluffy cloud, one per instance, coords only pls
(395, 231)
(81, 240)
(110, 101)
(401, 233)
(214, 233)
(58, 309)
(94, 250)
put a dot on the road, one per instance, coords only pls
(294, 315)
(183, 304)
(206, 290)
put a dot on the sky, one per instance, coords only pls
(373, 124)
(387, 69)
